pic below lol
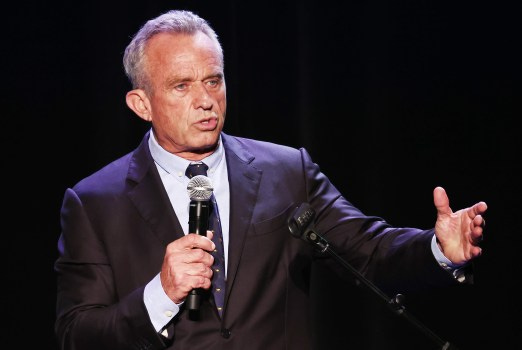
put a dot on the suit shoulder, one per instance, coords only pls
(268, 156)
(259, 146)
(109, 178)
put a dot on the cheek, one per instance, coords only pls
(170, 118)
(222, 101)
(175, 111)
(178, 121)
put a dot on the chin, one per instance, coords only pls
(208, 145)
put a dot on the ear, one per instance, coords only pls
(138, 101)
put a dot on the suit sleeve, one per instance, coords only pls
(397, 259)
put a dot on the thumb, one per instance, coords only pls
(441, 201)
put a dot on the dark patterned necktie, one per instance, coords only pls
(218, 277)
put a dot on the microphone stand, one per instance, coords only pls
(300, 225)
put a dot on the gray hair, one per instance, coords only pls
(174, 21)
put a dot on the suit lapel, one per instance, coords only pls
(244, 182)
(149, 196)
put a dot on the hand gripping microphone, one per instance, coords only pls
(199, 190)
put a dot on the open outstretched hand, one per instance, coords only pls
(458, 233)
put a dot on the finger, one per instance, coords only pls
(477, 230)
(479, 221)
(201, 282)
(198, 276)
(476, 252)
(198, 256)
(477, 209)
(199, 269)
(477, 235)
(480, 208)
(193, 240)
(190, 282)
(441, 201)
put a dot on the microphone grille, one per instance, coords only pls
(200, 188)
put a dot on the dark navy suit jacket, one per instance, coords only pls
(117, 223)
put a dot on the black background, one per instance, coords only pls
(391, 98)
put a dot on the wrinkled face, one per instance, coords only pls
(188, 99)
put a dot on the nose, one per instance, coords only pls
(201, 97)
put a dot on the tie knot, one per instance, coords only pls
(194, 169)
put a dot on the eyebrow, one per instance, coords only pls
(176, 79)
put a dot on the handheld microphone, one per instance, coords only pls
(199, 190)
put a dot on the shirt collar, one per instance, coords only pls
(175, 165)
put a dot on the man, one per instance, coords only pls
(128, 262)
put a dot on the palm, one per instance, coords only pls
(458, 233)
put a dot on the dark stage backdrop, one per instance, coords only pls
(391, 98)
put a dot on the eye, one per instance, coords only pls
(213, 82)
(181, 87)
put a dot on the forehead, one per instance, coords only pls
(179, 48)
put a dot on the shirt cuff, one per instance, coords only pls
(456, 270)
(159, 306)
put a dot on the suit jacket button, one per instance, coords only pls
(225, 333)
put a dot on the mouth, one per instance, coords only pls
(208, 123)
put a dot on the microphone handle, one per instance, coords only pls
(198, 223)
